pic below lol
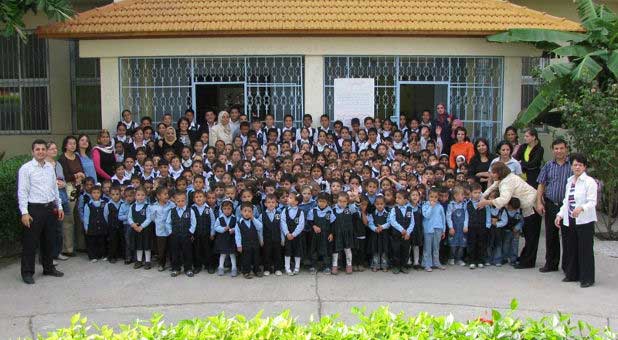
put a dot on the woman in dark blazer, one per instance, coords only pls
(530, 156)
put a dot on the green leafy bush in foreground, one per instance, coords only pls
(380, 324)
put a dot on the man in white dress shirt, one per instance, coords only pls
(39, 205)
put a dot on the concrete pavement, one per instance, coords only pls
(115, 293)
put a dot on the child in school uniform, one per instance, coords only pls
(292, 225)
(320, 218)
(343, 232)
(249, 239)
(139, 219)
(457, 219)
(496, 236)
(95, 226)
(401, 220)
(511, 221)
(273, 237)
(203, 239)
(225, 244)
(359, 249)
(479, 224)
(180, 225)
(434, 227)
(114, 224)
(123, 216)
(379, 240)
(416, 239)
(160, 210)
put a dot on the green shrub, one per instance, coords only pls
(10, 226)
(380, 324)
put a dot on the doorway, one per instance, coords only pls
(217, 97)
(415, 97)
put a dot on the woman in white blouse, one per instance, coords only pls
(221, 131)
(576, 219)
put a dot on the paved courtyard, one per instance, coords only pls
(115, 293)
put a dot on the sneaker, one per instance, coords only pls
(138, 264)
(461, 263)
(196, 270)
(54, 262)
(62, 257)
(334, 270)
(247, 275)
(441, 267)
(189, 273)
(428, 269)
(266, 273)
(259, 274)
(161, 268)
(487, 264)
(296, 271)
(174, 273)
(480, 265)
(472, 266)
(220, 271)
(234, 272)
(278, 273)
(326, 271)
(498, 264)
(312, 270)
(95, 261)
(348, 270)
(104, 259)
(451, 262)
(147, 266)
(289, 272)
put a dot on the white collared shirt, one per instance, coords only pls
(37, 184)
(585, 197)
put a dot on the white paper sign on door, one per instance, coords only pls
(354, 98)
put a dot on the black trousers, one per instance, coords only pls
(477, 244)
(272, 256)
(359, 252)
(579, 253)
(115, 243)
(202, 252)
(532, 232)
(181, 249)
(400, 250)
(96, 245)
(250, 259)
(42, 232)
(163, 249)
(552, 236)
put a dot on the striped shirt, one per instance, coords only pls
(571, 199)
(554, 177)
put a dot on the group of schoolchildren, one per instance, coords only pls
(375, 205)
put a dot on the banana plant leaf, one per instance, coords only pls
(586, 70)
(533, 35)
(612, 63)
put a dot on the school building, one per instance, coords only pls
(269, 56)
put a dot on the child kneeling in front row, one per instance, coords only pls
(249, 238)
(434, 226)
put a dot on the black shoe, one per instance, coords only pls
(112, 261)
(28, 280)
(519, 266)
(566, 279)
(211, 270)
(54, 272)
(174, 273)
(547, 269)
(138, 264)
(147, 266)
(586, 284)
(396, 270)
(128, 262)
(403, 270)
(197, 270)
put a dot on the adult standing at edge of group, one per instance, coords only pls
(222, 131)
(52, 154)
(461, 147)
(550, 194)
(511, 136)
(40, 206)
(83, 151)
(530, 156)
(103, 156)
(510, 185)
(73, 175)
(578, 215)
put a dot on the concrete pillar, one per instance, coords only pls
(60, 88)
(314, 86)
(511, 105)
(110, 93)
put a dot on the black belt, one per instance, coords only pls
(49, 205)
(550, 201)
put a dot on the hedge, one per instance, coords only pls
(10, 226)
(380, 324)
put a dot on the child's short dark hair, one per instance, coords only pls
(244, 205)
(178, 193)
(115, 188)
(475, 186)
(270, 197)
(96, 188)
(515, 203)
(323, 196)
(227, 203)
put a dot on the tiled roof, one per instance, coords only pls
(161, 18)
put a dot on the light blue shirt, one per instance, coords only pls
(392, 218)
(433, 218)
(118, 206)
(256, 223)
(292, 211)
(88, 166)
(159, 214)
(87, 212)
(180, 211)
(371, 222)
(503, 218)
(221, 228)
(320, 213)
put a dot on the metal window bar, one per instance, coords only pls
(24, 85)
(475, 83)
(530, 84)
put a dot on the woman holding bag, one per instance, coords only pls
(73, 175)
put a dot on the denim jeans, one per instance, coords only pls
(431, 249)
(510, 246)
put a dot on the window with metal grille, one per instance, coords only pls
(24, 85)
(85, 91)
(530, 81)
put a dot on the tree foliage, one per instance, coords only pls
(12, 13)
